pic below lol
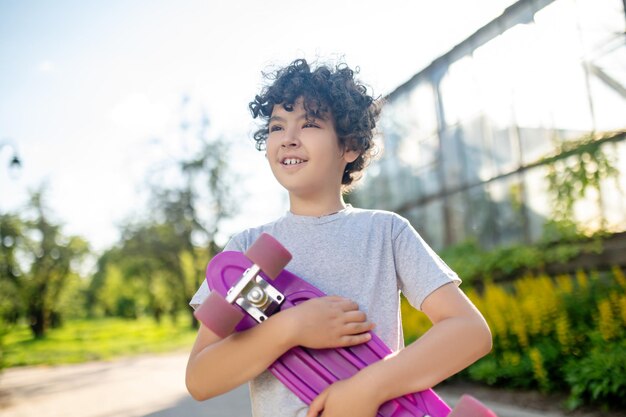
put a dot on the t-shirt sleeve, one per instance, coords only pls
(235, 244)
(420, 271)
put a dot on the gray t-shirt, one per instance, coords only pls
(368, 256)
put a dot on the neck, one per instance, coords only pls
(316, 208)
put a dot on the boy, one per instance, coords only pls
(318, 137)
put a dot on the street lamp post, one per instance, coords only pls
(15, 163)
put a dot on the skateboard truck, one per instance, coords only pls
(255, 295)
(251, 292)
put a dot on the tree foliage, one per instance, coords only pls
(38, 267)
(578, 167)
(154, 269)
(159, 262)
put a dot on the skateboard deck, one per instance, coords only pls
(243, 294)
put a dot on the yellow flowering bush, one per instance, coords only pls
(562, 333)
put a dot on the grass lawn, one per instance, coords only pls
(96, 339)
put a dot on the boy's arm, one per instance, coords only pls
(218, 365)
(459, 337)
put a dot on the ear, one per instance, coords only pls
(350, 156)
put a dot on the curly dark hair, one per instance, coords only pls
(325, 91)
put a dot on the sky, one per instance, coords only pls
(92, 92)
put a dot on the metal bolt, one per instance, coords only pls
(257, 296)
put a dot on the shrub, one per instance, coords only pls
(599, 377)
(564, 333)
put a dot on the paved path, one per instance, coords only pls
(145, 386)
(141, 386)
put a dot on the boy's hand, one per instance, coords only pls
(327, 322)
(344, 398)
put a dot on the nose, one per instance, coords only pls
(290, 139)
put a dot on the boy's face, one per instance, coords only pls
(304, 153)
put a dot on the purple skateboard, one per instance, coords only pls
(248, 288)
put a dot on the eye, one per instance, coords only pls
(275, 128)
(310, 124)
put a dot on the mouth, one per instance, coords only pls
(292, 161)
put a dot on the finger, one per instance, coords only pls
(348, 305)
(333, 298)
(355, 316)
(356, 339)
(358, 328)
(317, 405)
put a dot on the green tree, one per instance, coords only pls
(51, 257)
(11, 235)
(38, 267)
(167, 252)
(579, 166)
(197, 206)
(11, 227)
(152, 253)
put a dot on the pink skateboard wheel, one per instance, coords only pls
(469, 406)
(269, 255)
(219, 315)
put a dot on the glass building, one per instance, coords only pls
(468, 140)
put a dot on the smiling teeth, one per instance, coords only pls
(292, 161)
